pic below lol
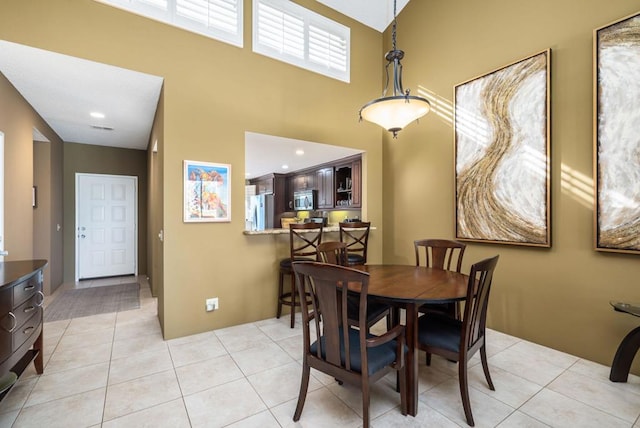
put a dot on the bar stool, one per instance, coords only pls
(356, 236)
(304, 239)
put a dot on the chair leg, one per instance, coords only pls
(365, 403)
(428, 359)
(485, 367)
(294, 292)
(402, 375)
(464, 391)
(280, 292)
(304, 385)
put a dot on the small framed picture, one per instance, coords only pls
(207, 192)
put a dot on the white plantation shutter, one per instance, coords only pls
(327, 49)
(290, 33)
(162, 4)
(218, 19)
(280, 31)
(221, 14)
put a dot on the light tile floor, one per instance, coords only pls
(115, 370)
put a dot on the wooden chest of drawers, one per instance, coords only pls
(21, 312)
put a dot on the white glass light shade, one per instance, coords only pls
(394, 113)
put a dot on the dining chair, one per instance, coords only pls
(348, 354)
(335, 253)
(356, 236)
(441, 254)
(458, 340)
(303, 241)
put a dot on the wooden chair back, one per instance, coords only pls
(304, 239)
(356, 236)
(440, 253)
(340, 350)
(322, 281)
(438, 333)
(474, 319)
(333, 252)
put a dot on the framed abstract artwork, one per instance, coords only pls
(617, 136)
(207, 192)
(502, 157)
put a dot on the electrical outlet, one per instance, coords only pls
(211, 304)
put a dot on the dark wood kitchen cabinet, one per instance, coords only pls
(298, 183)
(324, 184)
(264, 184)
(339, 184)
(348, 184)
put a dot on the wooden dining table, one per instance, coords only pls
(409, 287)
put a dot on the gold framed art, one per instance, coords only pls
(502, 157)
(616, 142)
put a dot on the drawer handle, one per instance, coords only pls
(39, 304)
(15, 323)
(28, 330)
(29, 287)
(29, 309)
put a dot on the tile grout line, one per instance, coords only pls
(106, 387)
(182, 396)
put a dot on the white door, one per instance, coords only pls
(2, 250)
(106, 225)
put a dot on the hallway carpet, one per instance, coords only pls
(91, 301)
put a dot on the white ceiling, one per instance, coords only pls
(265, 154)
(376, 14)
(64, 90)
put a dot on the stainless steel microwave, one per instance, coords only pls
(305, 200)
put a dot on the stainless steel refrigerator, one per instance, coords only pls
(262, 212)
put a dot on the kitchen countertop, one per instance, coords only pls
(281, 231)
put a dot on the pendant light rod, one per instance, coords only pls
(398, 110)
(394, 56)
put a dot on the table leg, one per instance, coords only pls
(412, 358)
(624, 356)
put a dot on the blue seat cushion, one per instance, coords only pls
(355, 259)
(378, 357)
(286, 263)
(440, 331)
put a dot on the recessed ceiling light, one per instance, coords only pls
(97, 114)
(285, 166)
(299, 152)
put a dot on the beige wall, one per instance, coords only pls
(213, 93)
(155, 212)
(17, 120)
(558, 297)
(87, 158)
(48, 215)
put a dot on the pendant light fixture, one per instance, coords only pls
(396, 111)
